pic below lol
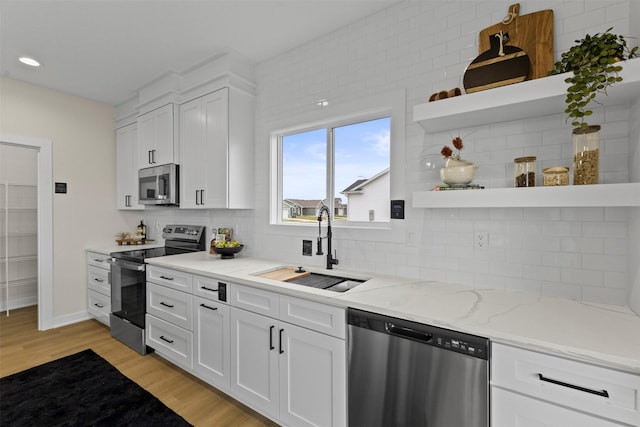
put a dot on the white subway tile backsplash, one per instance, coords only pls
(424, 47)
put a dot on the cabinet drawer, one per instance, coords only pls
(171, 278)
(312, 315)
(99, 306)
(170, 305)
(99, 280)
(99, 260)
(511, 409)
(170, 341)
(256, 300)
(592, 389)
(210, 288)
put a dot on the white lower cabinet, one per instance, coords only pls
(293, 374)
(170, 341)
(282, 356)
(98, 287)
(312, 378)
(211, 359)
(532, 389)
(254, 356)
(511, 409)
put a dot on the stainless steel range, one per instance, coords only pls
(128, 282)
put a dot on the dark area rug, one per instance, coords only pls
(79, 390)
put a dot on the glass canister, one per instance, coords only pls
(586, 155)
(558, 175)
(525, 171)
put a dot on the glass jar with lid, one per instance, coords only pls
(525, 171)
(558, 175)
(586, 155)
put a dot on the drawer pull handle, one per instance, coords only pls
(271, 347)
(206, 306)
(166, 305)
(208, 289)
(98, 260)
(280, 333)
(166, 278)
(603, 393)
(98, 305)
(99, 280)
(166, 339)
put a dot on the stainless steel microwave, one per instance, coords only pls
(159, 185)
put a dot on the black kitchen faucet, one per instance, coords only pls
(331, 260)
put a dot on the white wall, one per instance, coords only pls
(424, 47)
(83, 157)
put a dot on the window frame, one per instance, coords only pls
(390, 105)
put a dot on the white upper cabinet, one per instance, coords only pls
(156, 137)
(216, 149)
(127, 167)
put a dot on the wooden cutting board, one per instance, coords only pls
(284, 274)
(532, 33)
(499, 66)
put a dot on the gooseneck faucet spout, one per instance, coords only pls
(331, 260)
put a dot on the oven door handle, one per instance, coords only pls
(126, 265)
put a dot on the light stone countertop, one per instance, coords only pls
(606, 335)
(106, 250)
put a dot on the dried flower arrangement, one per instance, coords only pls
(447, 152)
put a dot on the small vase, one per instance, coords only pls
(451, 162)
(458, 175)
(586, 155)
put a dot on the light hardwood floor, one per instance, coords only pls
(22, 346)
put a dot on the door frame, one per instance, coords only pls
(45, 222)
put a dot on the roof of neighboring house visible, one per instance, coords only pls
(312, 203)
(359, 185)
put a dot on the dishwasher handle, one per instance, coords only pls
(408, 332)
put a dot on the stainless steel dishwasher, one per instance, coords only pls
(404, 373)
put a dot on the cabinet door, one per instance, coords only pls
(216, 120)
(156, 137)
(127, 167)
(511, 409)
(312, 369)
(254, 360)
(204, 151)
(211, 352)
(193, 153)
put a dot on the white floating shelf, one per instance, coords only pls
(532, 98)
(601, 195)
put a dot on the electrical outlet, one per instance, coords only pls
(481, 240)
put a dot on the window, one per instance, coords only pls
(344, 165)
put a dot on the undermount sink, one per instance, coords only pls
(314, 280)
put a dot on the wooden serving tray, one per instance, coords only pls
(136, 242)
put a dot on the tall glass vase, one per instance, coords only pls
(586, 155)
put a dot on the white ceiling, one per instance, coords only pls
(107, 49)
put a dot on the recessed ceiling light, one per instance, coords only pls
(29, 61)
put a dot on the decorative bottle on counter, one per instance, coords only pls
(586, 155)
(525, 171)
(142, 230)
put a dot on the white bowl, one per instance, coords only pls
(457, 175)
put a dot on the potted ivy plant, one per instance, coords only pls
(594, 64)
(594, 61)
